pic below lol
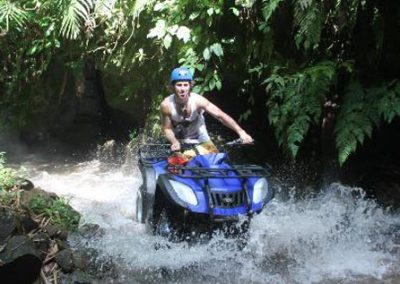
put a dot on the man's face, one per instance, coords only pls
(182, 91)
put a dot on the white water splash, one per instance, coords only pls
(337, 236)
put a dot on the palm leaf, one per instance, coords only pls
(77, 12)
(12, 13)
(104, 8)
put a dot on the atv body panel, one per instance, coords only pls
(223, 191)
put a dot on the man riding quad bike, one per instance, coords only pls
(179, 196)
(200, 185)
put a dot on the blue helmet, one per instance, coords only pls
(181, 74)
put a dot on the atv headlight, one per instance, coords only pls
(184, 192)
(260, 190)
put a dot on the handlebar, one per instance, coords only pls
(164, 150)
(237, 142)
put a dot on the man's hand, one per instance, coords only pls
(246, 138)
(175, 146)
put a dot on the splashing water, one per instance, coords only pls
(337, 236)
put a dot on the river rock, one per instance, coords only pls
(23, 183)
(89, 260)
(27, 224)
(78, 277)
(19, 254)
(55, 231)
(64, 259)
(42, 243)
(7, 226)
(27, 196)
(15, 223)
(90, 231)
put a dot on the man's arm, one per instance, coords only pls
(225, 119)
(166, 125)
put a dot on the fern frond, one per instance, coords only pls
(268, 7)
(77, 12)
(308, 19)
(296, 101)
(361, 111)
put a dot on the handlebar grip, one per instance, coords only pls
(234, 142)
(238, 141)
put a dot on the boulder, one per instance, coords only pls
(27, 196)
(7, 226)
(27, 224)
(90, 231)
(23, 183)
(19, 255)
(89, 260)
(42, 243)
(64, 259)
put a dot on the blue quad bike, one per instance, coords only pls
(209, 192)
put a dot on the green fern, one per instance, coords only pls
(296, 101)
(11, 13)
(308, 20)
(268, 8)
(77, 12)
(361, 111)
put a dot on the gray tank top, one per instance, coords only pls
(190, 129)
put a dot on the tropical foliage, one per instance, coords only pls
(306, 54)
(7, 175)
(57, 210)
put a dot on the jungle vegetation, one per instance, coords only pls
(310, 58)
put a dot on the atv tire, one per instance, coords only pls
(140, 207)
(169, 223)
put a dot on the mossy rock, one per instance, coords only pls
(51, 206)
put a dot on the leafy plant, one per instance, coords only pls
(7, 175)
(7, 199)
(300, 46)
(11, 13)
(308, 17)
(362, 111)
(295, 102)
(58, 210)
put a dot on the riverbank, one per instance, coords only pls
(35, 226)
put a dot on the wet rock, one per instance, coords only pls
(56, 232)
(62, 244)
(41, 242)
(25, 184)
(77, 277)
(90, 231)
(24, 269)
(7, 226)
(27, 224)
(111, 152)
(15, 222)
(18, 246)
(19, 254)
(65, 260)
(88, 260)
(28, 196)
(85, 258)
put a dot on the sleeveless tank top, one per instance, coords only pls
(192, 128)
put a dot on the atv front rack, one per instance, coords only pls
(235, 171)
(216, 199)
(151, 153)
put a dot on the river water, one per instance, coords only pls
(336, 236)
